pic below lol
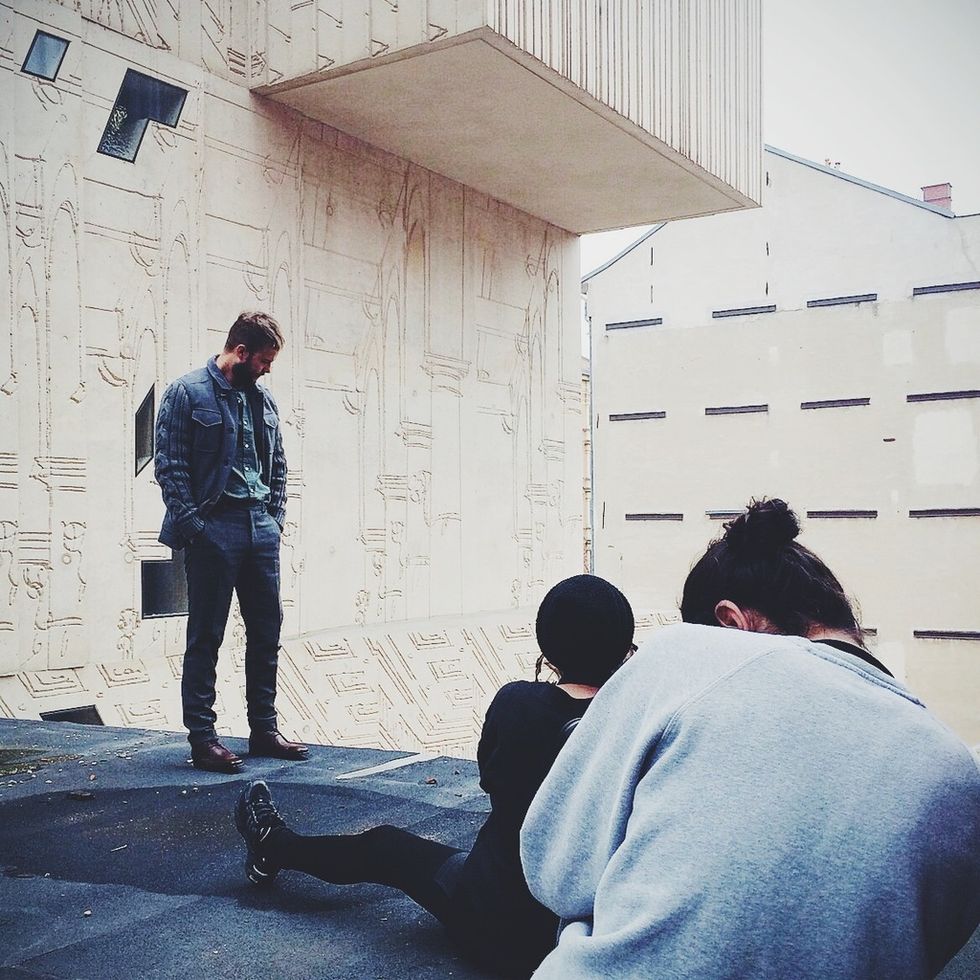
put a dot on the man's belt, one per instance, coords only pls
(239, 503)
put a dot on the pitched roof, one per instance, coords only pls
(629, 248)
(877, 188)
(813, 165)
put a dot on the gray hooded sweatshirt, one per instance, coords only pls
(737, 804)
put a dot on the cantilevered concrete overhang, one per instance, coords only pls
(482, 111)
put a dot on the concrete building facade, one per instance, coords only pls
(824, 348)
(401, 185)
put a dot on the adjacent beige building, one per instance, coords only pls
(824, 348)
(402, 185)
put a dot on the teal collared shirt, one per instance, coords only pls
(245, 480)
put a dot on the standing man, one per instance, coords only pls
(222, 472)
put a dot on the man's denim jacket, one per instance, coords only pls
(196, 434)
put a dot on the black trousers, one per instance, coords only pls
(425, 870)
(383, 855)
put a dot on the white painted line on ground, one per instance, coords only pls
(386, 766)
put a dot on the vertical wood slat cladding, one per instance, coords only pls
(690, 74)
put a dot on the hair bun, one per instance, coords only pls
(765, 527)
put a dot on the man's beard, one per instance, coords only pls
(242, 375)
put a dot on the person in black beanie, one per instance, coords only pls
(584, 630)
(581, 627)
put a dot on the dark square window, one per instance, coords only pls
(144, 431)
(45, 56)
(140, 100)
(164, 587)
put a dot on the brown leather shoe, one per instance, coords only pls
(214, 757)
(274, 746)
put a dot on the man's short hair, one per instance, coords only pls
(255, 331)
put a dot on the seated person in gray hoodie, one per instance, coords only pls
(585, 630)
(754, 795)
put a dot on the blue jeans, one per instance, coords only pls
(238, 550)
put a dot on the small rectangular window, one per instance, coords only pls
(140, 100)
(946, 512)
(630, 324)
(636, 416)
(837, 403)
(736, 410)
(842, 514)
(943, 396)
(743, 311)
(45, 56)
(144, 431)
(842, 300)
(164, 588)
(946, 634)
(946, 287)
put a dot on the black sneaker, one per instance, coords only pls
(256, 817)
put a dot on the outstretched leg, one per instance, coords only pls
(382, 855)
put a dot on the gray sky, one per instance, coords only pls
(890, 88)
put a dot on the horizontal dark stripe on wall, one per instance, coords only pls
(630, 324)
(736, 410)
(842, 300)
(946, 634)
(634, 416)
(836, 403)
(948, 287)
(724, 515)
(869, 630)
(942, 396)
(744, 311)
(946, 512)
(843, 514)
(654, 517)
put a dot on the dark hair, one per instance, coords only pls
(758, 564)
(256, 332)
(584, 629)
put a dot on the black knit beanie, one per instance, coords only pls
(584, 629)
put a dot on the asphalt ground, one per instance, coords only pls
(118, 859)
